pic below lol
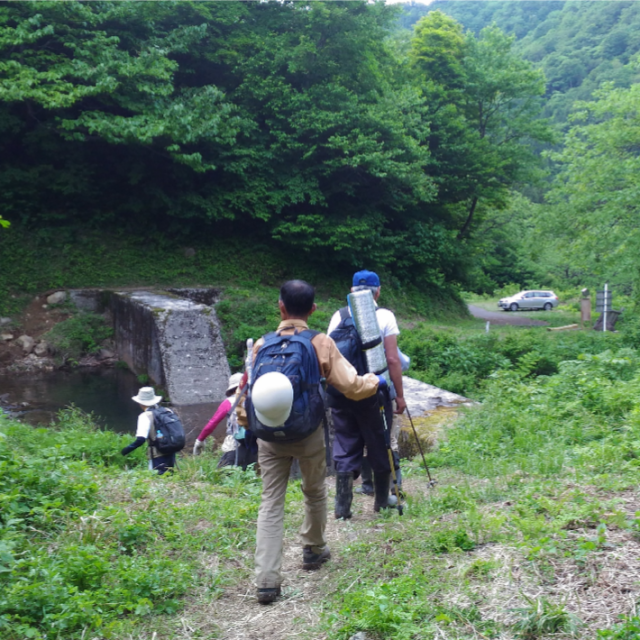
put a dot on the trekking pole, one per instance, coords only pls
(248, 365)
(387, 440)
(432, 482)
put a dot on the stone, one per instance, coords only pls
(4, 321)
(176, 342)
(105, 354)
(26, 342)
(189, 252)
(361, 635)
(57, 297)
(42, 348)
(45, 306)
(6, 336)
(432, 410)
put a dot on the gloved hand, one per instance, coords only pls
(382, 383)
(198, 447)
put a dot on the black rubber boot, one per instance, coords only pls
(344, 495)
(382, 500)
(367, 478)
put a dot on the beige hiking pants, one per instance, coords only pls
(275, 463)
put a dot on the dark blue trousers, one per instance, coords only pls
(357, 424)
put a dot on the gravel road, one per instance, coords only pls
(504, 317)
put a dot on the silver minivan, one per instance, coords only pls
(546, 300)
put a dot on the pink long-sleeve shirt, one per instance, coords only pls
(217, 418)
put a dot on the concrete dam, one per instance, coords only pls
(174, 338)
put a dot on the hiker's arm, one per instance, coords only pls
(395, 370)
(217, 418)
(138, 442)
(342, 375)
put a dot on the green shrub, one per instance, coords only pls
(628, 629)
(79, 335)
(542, 617)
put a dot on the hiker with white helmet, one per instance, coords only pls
(162, 454)
(239, 447)
(285, 410)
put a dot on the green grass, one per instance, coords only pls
(535, 499)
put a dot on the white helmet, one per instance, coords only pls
(272, 397)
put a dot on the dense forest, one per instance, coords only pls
(578, 45)
(456, 146)
(304, 125)
(580, 228)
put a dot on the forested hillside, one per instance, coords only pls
(578, 45)
(300, 125)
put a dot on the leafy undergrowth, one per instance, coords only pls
(532, 532)
(464, 358)
(93, 542)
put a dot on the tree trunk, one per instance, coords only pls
(467, 225)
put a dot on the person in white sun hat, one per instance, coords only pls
(147, 399)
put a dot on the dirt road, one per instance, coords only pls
(504, 317)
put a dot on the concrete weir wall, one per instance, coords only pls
(175, 341)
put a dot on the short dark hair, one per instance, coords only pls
(297, 297)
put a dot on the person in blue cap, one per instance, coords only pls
(358, 423)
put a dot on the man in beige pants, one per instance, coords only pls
(296, 305)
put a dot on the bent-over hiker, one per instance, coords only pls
(148, 400)
(272, 405)
(239, 447)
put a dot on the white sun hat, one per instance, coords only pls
(272, 398)
(147, 397)
(234, 381)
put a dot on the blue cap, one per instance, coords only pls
(364, 277)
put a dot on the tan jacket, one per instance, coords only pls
(337, 370)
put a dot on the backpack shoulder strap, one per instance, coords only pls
(305, 337)
(344, 314)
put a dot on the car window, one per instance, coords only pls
(528, 295)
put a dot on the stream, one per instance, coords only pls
(106, 393)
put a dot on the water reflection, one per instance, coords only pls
(106, 393)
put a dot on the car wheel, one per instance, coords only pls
(548, 306)
(513, 307)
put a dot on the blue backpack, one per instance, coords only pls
(294, 356)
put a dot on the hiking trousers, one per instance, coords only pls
(357, 424)
(275, 460)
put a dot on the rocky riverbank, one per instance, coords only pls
(24, 343)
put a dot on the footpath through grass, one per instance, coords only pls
(532, 532)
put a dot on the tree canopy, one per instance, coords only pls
(301, 123)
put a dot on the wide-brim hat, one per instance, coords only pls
(234, 381)
(147, 397)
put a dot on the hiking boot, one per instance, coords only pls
(344, 495)
(267, 596)
(366, 487)
(382, 500)
(312, 560)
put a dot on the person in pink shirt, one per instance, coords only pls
(239, 445)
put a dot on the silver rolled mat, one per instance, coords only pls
(363, 310)
(376, 360)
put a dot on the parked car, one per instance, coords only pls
(546, 300)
